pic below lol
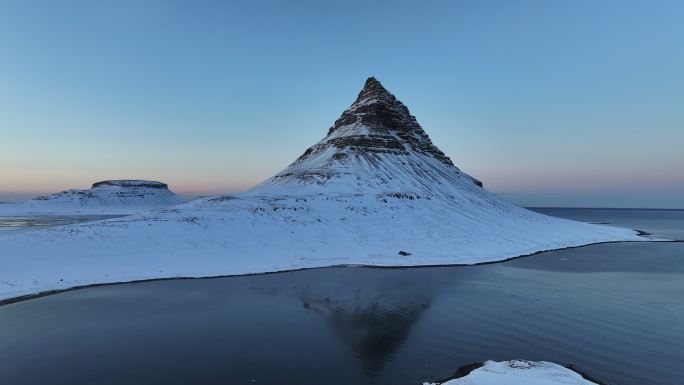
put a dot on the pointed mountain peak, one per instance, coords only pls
(377, 122)
(373, 90)
(375, 145)
(372, 81)
(377, 110)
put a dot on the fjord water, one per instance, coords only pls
(616, 311)
(663, 222)
(33, 222)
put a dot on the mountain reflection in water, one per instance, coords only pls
(373, 317)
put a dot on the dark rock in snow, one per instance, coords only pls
(132, 183)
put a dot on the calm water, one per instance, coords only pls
(614, 310)
(666, 223)
(23, 223)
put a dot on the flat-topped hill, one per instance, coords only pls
(123, 196)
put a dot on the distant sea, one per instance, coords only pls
(667, 223)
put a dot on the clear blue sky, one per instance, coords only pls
(552, 102)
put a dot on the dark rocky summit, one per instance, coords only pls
(375, 146)
(388, 126)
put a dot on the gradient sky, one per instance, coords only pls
(576, 103)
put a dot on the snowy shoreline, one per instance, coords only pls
(247, 234)
(48, 292)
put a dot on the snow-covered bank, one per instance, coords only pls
(375, 191)
(519, 372)
(110, 197)
(249, 234)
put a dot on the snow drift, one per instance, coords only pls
(519, 372)
(374, 191)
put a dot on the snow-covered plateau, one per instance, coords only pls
(374, 191)
(124, 196)
(519, 372)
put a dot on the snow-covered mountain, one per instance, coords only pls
(374, 191)
(123, 196)
(375, 147)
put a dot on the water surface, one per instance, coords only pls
(668, 223)
(614, 310)
(34, 222)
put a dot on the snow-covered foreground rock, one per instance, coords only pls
(374, 191)
(124, 196)
(519, 372)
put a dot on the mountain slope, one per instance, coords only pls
(110, 196)
(374, 191)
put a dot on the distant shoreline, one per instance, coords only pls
(598, 208)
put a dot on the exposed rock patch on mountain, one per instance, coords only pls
(132, 184)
